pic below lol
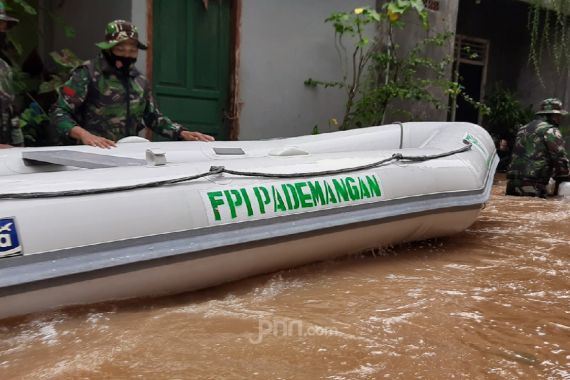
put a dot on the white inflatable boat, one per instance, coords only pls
(82, 225)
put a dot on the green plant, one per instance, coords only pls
(353, 62)
(549, 30)
(32, 121)
(404, 76)
(355, 25)
(506, 114)
(392, 73)
(35, 93)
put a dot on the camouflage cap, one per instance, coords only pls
(118, 31)
(12, 21)
(551, 106)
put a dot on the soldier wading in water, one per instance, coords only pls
(107, 98)
(539, 153)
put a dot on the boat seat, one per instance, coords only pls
(78, 159)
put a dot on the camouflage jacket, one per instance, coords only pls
(10, 132)
(109, 104)
(538, 153)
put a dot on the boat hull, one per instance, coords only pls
(217, 266)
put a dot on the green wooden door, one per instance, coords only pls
(191, 50)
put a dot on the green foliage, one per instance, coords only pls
(377, 74)
(36, 94)
(549, 29)
(483, 108)
(457, 90)
(396, 9)
(506, 114)
(364, 101)
(351, 23)
(405, 77)
(26, 7)
(33, 121)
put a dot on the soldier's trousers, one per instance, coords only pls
(522, 188)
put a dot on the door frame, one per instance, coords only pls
(233, 114)
(482, 46)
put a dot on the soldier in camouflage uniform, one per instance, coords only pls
(10, 132)
(538, 153)
(107, 98)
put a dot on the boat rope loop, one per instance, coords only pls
(217, 170)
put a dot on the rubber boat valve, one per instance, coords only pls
(155, 157)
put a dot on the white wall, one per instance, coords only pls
(282, 44)
(139, 18)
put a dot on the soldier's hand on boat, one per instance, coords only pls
(195, 136)
(87, 138)
(99, 142)
(5, 146)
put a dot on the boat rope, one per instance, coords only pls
(217, 170)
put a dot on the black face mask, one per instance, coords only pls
(552, 120)
(127, 62)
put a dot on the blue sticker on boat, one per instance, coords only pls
(9, 241)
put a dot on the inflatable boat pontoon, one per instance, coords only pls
(81, 224)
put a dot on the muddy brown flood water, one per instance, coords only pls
(490, 303)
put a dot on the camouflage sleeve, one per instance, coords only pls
(157, 122)
(6, 81)
(10, 131)
(71, 96)
(559, 157)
